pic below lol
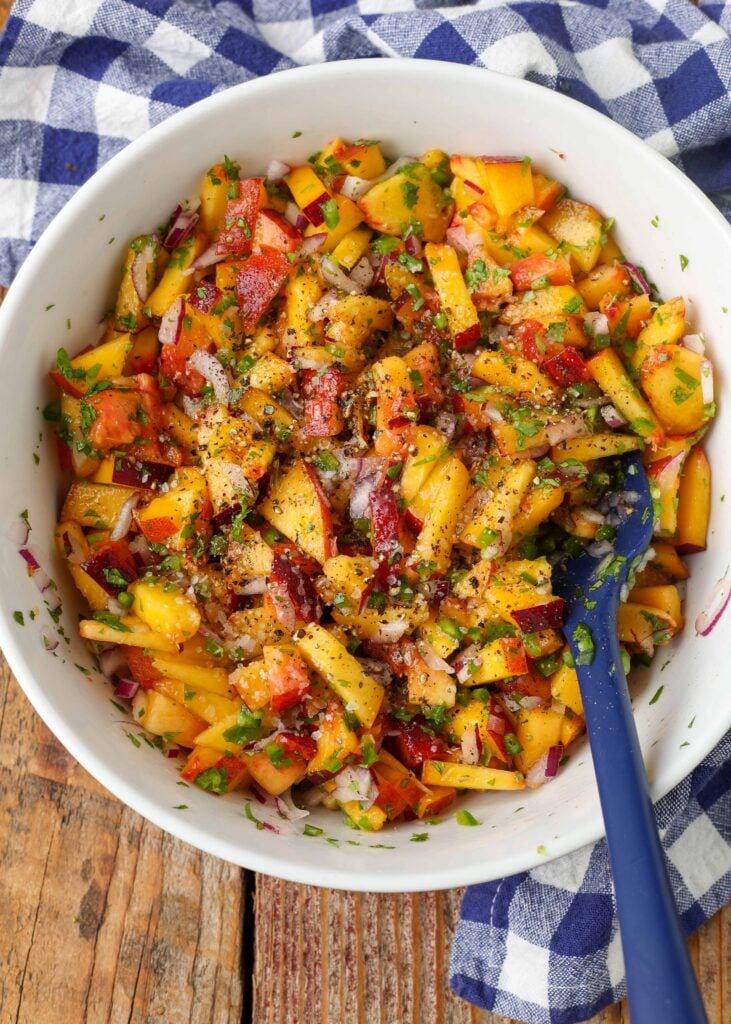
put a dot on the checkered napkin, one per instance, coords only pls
(80, 78)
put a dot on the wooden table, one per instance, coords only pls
(105, 919)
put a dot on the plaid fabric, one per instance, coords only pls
(80, 78)
(544, 946)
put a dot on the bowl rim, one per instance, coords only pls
(248, 856)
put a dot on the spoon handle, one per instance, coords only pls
(661, 985)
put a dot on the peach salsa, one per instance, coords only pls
(341, 422)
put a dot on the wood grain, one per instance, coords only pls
(104, 919)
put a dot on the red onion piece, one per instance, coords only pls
(256, 585)
(318, 312)
(553, 760)
(172, 323)
(30, 558)
(192, 407)
(173, 752)
(446, 423)
(360, 496)
(310, 245)
(596, 323)
(496, 724)
(208, 258)
(287, 807)
(113, 660)
(413, 246)
(18, 532)
(708, 618)
(355, 784)
(391, 632)
(464, 662)
(210, 368)
(276, 170)
(471, 746)
(637, 277)
(362, 273)
(124, 519)
(183, 222)
(49, 638)
(126, 689)
(569, 427)
(707, 381)
(337, 279)
(141, 549)
(139, 271)
(354, 187)
(474, 187)
(612, 418)
(457, 237)
(432, 659)
(694, 342)
(72, 548)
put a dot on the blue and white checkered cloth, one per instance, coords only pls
(80, 78)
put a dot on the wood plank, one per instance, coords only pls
(384, 959)
(103, 917)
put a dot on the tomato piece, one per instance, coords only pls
(272, 231)
(258, 282)
(142, 667)
(237, 234)
(567, 367)
(296, 746)
(537, 271)
(116, 421)
(414, 744)
(287, 674)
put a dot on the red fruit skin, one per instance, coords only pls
(296, 746)
(237, 234)
(541, 616)
(567, 367)
(288, 585)
(257, 284)
(414, 745)
(272, 231)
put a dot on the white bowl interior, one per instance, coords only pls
(68, 282)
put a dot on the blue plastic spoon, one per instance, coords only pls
(661, 985)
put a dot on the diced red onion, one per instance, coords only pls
(18, 532)
(496, 724)
(192, 407)
(355, 784)
(51, 596)
(292, 402)
(310, 245)
(707, 381)
(287, 807)
(536, 774)
(114, 606)
(256, 585)
(378, 669)
(124, 519)
(558, 707)
(210, 368)
(446, 423)
(596, 324)
(73, 549)
(183, 222)
(319, 311)
(360, 496)
(611, 417)
(524, 704)
(637, 277)
(592, 515)
(470, 745)
(113, 660)
(208, 258)
(694, 342)
(457, 237)
(276, 170)
(381, 269)
(49, 638)
(337, 279)
(413, 246)
(463, 664)
(236, 476)
(708, 618)
(391, 632)
(600, 548)
(569, 427)
(139, 271)
(126, 689)
(173, 752)
(30, 558)
(362, 273)
(553, 760)
(295, 217)
(172, 323)
(141, 549)
(475, 188)
(432, 659)
(354, 187)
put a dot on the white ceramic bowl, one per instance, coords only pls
(409, 106)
